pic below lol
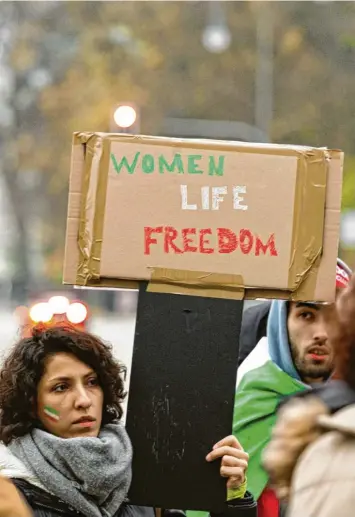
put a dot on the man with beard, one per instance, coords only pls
(294, 355)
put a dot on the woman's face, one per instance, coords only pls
(69, 398)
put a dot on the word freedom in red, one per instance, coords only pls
(193, 240)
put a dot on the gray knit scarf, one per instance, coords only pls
(92, 475)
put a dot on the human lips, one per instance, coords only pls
(85, 421)
(318, 353)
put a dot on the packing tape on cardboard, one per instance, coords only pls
(309, 206)
(207, 144)
(92, 209)
(196, 283)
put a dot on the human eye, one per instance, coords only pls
(93, 381)
(59, 388)
(307, 315)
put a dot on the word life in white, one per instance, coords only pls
(212, 197)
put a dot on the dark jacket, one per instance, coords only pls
(254, 323)
(48, 505)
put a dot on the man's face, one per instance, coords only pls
(310, 348)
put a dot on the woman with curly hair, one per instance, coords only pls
(63, 446)
(311, 457)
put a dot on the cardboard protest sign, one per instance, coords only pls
(212, 218)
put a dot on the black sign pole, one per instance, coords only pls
(181, 397)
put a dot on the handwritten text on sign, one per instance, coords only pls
(196, 240)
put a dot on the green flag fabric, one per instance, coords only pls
(256, 400)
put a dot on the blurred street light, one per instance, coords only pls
(41, 312)
(76, 313)
(216, 37)
(59, 304)
(125, 116)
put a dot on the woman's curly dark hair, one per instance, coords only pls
(25, 365)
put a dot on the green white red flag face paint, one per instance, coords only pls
(51, 413)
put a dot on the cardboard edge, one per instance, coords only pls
(332, 224)
(213, 145)
(249, 293)
(71, 251)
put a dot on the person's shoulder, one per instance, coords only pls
(324, 470)
(343, 421)
(257, 358)
(253, 328)
(336, 395)
(254, 314)
(326, 466)
(11, 503)
(42, 503)
(332, 454)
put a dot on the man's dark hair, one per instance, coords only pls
(25, 365)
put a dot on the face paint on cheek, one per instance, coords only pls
(51, 413)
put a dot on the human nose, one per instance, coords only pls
(320, 333)
(82, 399)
